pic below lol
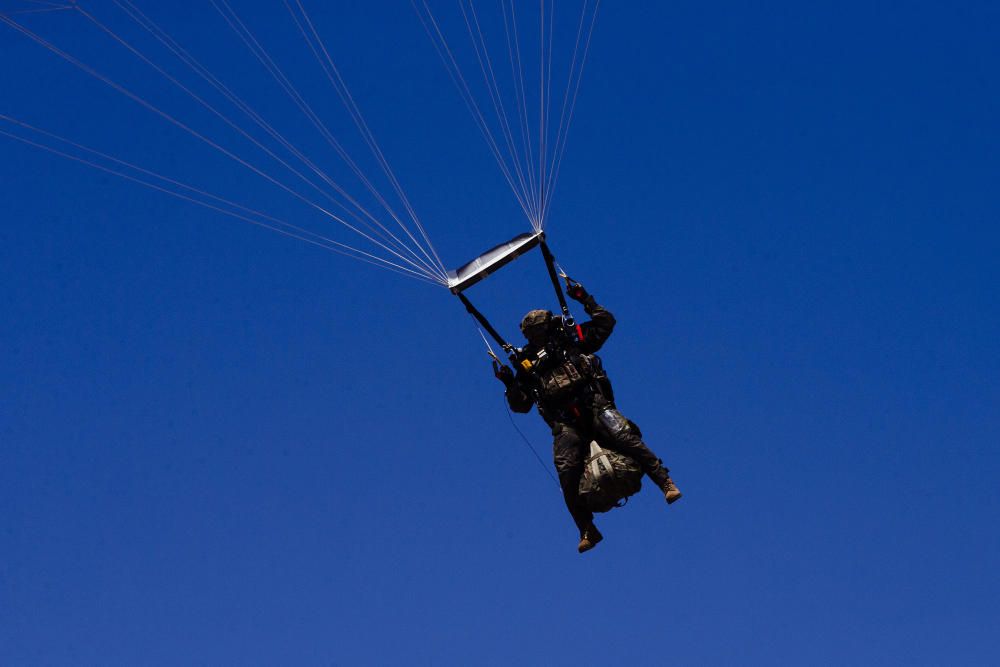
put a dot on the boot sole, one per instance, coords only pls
(591, 546)
(671, 501)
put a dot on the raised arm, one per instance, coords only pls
(597, 330)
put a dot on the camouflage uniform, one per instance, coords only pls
(575, 398)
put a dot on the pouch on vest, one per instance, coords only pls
(561, 381)
(608, 479)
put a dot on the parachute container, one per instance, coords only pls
(492, 260)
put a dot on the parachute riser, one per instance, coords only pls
(485, 324)
(550, 264)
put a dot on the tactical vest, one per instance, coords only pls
(565, 381)
(568, 378)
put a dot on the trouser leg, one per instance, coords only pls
(620, 435)
(567, 451)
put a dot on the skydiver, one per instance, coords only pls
(564, 377)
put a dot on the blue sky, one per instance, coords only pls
(222, 446)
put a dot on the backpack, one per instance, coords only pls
(608, 479)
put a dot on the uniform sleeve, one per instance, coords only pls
(518, 398)
(597, 330)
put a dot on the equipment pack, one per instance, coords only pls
(609, 478)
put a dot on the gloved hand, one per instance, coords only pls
(503, 373)
(578, 292)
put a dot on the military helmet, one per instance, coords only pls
(536, 319)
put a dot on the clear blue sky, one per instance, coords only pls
(221, 446)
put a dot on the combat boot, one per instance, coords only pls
(671, 492)
(589, 538)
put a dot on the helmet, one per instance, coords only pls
(536, 319)
(536, 325)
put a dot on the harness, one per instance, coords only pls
(564, 381)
